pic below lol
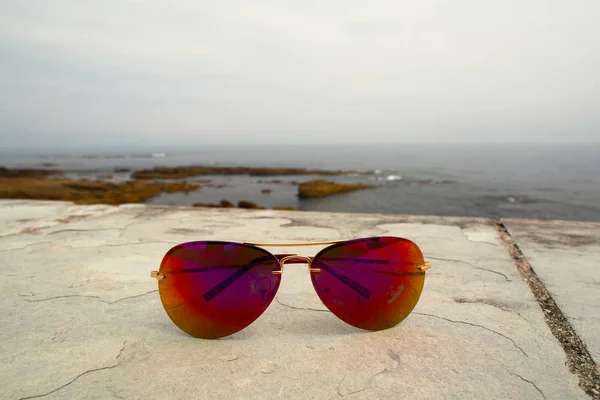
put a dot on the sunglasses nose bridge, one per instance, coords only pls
(296, 259)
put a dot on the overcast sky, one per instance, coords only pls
(237, 71)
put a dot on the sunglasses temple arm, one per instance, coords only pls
(352, 284)
(357, 287)
(212, 293)
(422, 267)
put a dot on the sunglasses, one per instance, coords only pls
(212, 289)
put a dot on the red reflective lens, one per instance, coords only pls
(371, 283)
(214, 289)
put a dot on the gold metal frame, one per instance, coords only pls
(424, 267)
(296, 257)
(157, 275)
(294, 244)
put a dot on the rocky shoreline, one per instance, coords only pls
(191, 171)
(49, 184)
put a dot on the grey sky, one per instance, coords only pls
(189, 72)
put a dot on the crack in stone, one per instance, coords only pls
(25, 247)
(528, 381)
(349, 393)
(298, 308)
(64, 221)
(482, 241)
(121, 245)
(133, 297)
(65, 296)
(22, 232)
(79, 376)
(82, 230)
(91, 297)
(478, 326)
(502, 306)
(89, 247)
(130, 224)
(80, 284)
(152, 212)
(472, 266)
(367, 385)
(73, 218)
(463, 231)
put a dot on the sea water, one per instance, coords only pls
(483, 180)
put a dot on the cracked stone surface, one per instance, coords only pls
(81, 317)
(565, 257)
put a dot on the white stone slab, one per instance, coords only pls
(82, 319)
(566, 257)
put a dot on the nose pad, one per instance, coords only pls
(296, 259)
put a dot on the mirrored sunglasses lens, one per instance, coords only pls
(214, 289)
(371, 283)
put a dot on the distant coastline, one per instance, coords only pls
(142, 185)
(491, 181)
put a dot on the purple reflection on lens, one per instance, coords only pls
(214, 289)
(371, 283)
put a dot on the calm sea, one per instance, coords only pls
(495, 181)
